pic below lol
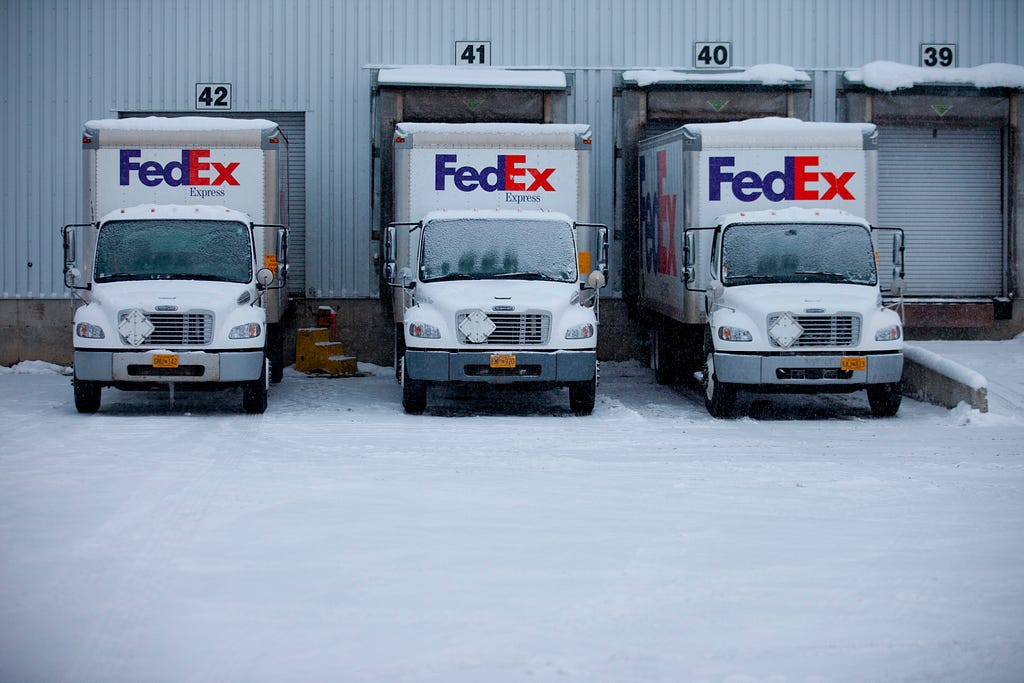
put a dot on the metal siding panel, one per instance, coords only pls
(945, 192)
(66, 61)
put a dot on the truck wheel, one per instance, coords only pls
(87, 395)
(254, 394)
(719, 397)
(275, 350)
(885, 399)
(582, 396)
(399, 351)
(663, 358)
(414, 393)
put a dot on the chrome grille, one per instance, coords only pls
(513, 328)
(180, 329)
(823, 330)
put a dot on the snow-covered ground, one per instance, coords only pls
(498, 538)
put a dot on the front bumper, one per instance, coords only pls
(558, 367)
(193, 366)
(807, 370)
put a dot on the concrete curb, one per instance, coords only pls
(929, 377)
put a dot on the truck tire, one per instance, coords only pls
(87, 395)
(885, 399)
(254, 394)
(582, 396)
(664, 357)
(719, 397)
(414, 393)
(275, 350)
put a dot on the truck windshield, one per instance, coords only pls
(797, 252)
(472, 249)
(173, 250)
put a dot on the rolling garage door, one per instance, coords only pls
(943, 186)
(293, 125)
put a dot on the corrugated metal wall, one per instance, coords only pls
(66, 61)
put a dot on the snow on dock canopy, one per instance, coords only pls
(472, 77)
(889, 76)
(763, 74)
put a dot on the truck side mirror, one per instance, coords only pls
(897, 253)
(597, 279)
(264, 277)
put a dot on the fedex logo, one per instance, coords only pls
(799, 180)
(193, 169)
(509, 174)
(658, 217)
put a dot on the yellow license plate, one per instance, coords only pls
(503, 360)
(165, 360)
(854, 363)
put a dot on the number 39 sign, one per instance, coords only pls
(213, 96)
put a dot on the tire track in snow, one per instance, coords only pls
(173, 512)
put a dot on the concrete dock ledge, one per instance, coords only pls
(929, 377)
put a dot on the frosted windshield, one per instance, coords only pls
(494, 248)
(797, 252)
(173, 250)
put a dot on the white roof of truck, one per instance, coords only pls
(792, 214)
(180, 123)
(781, 132)
(176, 212)
(498, 214)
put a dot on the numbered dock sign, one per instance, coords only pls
(473, 53)
(213, 96)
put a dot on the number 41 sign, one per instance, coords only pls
(473, 53)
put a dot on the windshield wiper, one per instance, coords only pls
(451, 276)
(526, 276)
(831, 277)
(199, 276)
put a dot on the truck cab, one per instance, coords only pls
(173, 296)
(497, 297)
(793, 303)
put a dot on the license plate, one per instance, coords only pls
(503, 360)
(854, 363)
(165, 360)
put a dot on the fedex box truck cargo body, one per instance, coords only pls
(182, 260)
(492, 262)
(758, 261)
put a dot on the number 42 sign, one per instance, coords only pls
(213, 96)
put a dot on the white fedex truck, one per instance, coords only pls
(181, 264)
(494, 269)
(759, 262)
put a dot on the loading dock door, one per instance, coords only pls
(943, 186)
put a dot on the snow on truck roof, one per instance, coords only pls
(498, 214)
(180, 123)
(774, 131)
(176, 212)
(486, 129)
(792, 214)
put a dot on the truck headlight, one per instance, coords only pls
(246, 331)
(734, 334)
(89, 331)
(582, 331)
(424, 331)
(890, 333)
